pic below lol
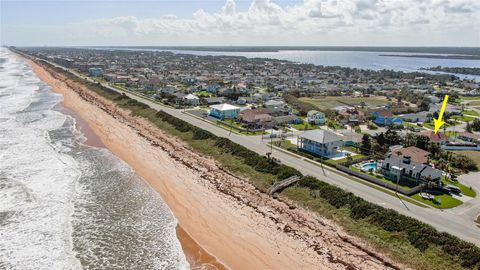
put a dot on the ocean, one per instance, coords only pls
(65, 204)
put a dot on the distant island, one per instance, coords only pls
(457, 70)
(436, 56)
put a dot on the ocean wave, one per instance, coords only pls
(66, 205)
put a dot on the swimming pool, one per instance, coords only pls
(369, 166)
(340, 155)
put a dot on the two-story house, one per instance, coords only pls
(386, 118)
(320, 142)
(403, 168)
(316, 117)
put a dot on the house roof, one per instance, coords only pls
(435, 137)
(417, 154)
(190, 96)
(424, 170)
(224, 107)
(274, 103)
(352, 137)
(321, 136)
(384, 113)
(315, 113)
(214, 100)
(252, 115)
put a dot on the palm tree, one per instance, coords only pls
(349, 158)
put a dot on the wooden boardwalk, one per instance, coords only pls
(283, 184)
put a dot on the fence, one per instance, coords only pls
(379, 182)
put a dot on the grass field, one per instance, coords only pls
(330, 102)
(305, 126)
(474, 103)
(470, 112)
(413, 125)
(443, 201)
(464, 118)
(467, 191)
(469, 98)
(430, 125)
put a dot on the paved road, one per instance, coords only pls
(457, 221)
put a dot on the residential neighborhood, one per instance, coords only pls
(377, 126)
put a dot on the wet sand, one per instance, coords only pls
(225, 215)
(81, 125)
(197, 257)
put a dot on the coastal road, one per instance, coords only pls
(457, 221)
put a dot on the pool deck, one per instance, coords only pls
(344, 155)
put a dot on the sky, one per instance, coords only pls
(240, 23)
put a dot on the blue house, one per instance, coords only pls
(95, 72)
(316, 117)
(386, 118)
(224, 111)
(213, 88)
(320, 142)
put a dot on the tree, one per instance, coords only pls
(366, 144)
(468, 127)
(422, 142)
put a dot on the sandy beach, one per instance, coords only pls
(224, 222)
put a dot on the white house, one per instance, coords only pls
(320, 142)
(191, 99)
(224, 111)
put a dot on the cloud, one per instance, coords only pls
(308, 22)
(458, 8)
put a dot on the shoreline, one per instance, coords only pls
(197, 257)
(224, 214)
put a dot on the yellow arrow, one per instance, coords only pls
(439, 122)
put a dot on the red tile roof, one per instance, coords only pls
(385, 113)
(417, 154)
(438, 137)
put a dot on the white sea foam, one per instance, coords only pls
(64, 205)
(36, 180)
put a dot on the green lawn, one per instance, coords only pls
(305, 126)
(413, 125)
(334, 124)
(470, 112)
(430, 125)
(467, 191)
(371, 125)
(469, 98)
(451, 133)
(443, 201)
(338, 161)
(237, 128)
(204, 94)
(464, 118)
(474, 103)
